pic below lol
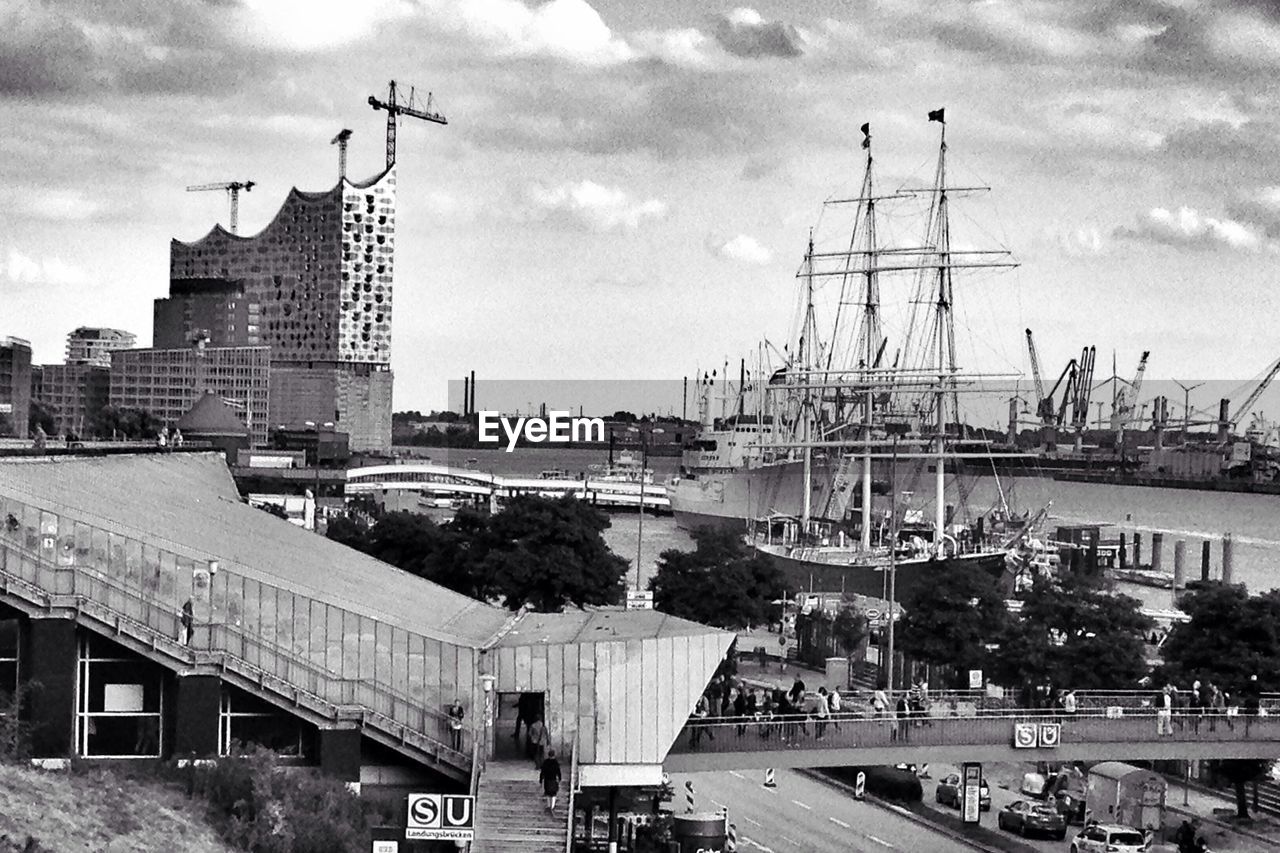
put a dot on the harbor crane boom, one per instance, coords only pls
(1035, 375)
(395, 108)
(341, 141)
(1127, 398)
(1256, 393)
(233, 190)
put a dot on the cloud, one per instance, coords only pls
(1082, 242)
(1188, 228)
(307, 25)
(589, 205)
(743, 32)
(22, 269)
(1261, 209)
(742, 249)
(564, 29)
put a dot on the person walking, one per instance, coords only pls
(456, 716)
(903, 721)
(186, 621)
(1069, 702)
(835, 705)
(700, 712)
(534, 740)
(528, 708)
(823, 712)
(1164, 712)
(549, 776)
(880, 703)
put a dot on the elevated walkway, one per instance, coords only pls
(45, 576)
(1002, 736)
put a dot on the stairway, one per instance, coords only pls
(1268, 797)
(511, 813)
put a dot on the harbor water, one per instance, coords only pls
(1252, 520)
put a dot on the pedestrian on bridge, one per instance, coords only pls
(456, 715)
(902, 720)
(834, 704)
(823, 713)
(1164, 712)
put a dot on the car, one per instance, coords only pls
(1027, 817)
(1109, 838)
(950, 792)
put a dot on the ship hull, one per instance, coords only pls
(731, 499)
(872, 580)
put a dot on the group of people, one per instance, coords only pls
(787, 713)
(537, 745)
(1188, 837)
(1205, 699)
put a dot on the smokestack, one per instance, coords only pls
(1224, 425)
(684, 401)
(466, 396)
(472, 405)
(1013, 421)
(742, 385)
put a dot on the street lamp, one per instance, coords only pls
(644, 468)
(1186, 406)
(315, 523)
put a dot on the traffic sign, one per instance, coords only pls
(972, 802)
(640, 599)
(1025, 735)
(386, 847)
(1050, 734)
(441, 817)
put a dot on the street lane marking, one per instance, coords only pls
(752, 822)
(880, 841)
(838, 822)
(791, 841)
(719, 804)
(803, 805)
(756, 844)
(736, 773)
(770, 790)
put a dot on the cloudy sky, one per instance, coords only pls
(624, 189)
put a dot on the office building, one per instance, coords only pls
(314, 286)
(15, 386)
(74, 395)
(87, 345)
(168, 382)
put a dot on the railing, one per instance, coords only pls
(787, 733)
(573, 790)
(47, 566)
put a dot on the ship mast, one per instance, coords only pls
(946, 335)
(871, 332)
(806, 332)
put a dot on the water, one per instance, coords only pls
(1252, 520)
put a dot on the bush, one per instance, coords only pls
(261, 807)
(889, 783)
(15, 732)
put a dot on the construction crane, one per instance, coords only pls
(395, 109)
(1084, 388)
(233, 190)
(1256, 393)
(341, 141)
(1041, 408)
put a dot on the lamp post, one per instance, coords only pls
(315, 523)
(1186, 406)
(644, 467)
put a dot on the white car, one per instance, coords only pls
(1109, 838)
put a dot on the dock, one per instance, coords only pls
(447, 481)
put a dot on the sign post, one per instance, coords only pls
(441, 817)
(971, 775)
(639, 599)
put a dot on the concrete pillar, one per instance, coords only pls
(1157, 545)
(199, 699)
(1137, 550)
(1122, 556)
(51, 661)
(1179, 568)
(1227, 566)
(340, 753)
(1204, 560)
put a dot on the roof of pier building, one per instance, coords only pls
(188, 503)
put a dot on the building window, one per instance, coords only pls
(245, 719)
(8, 662)
(120, 703)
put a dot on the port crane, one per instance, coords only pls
(341, 141)
(396, 108)
(233, 191)
(1127, 397)
(1244, 407)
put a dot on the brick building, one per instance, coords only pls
(15, 384)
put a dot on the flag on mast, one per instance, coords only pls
(938, 115)
(866, 135)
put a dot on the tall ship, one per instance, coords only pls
(817, 474)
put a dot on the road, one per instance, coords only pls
(803, 814)
(1000, 797)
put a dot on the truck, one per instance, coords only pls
(1124, 794)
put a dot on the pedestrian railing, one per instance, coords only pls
(573, 791)
(843, 731)
(133, 588)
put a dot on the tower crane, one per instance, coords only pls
(341, 141)
(233, 190)
(395, 108)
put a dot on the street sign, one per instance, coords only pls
(441, 817)
(975, 679)
(971, 773)
(640, 599)
(1050, 734)
(1025, 735)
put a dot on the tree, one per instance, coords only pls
(549, 553)
(1230, 637)
(42, 416)
(113, 421)
(719, 583)
(1074, 635)
(949, 621)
